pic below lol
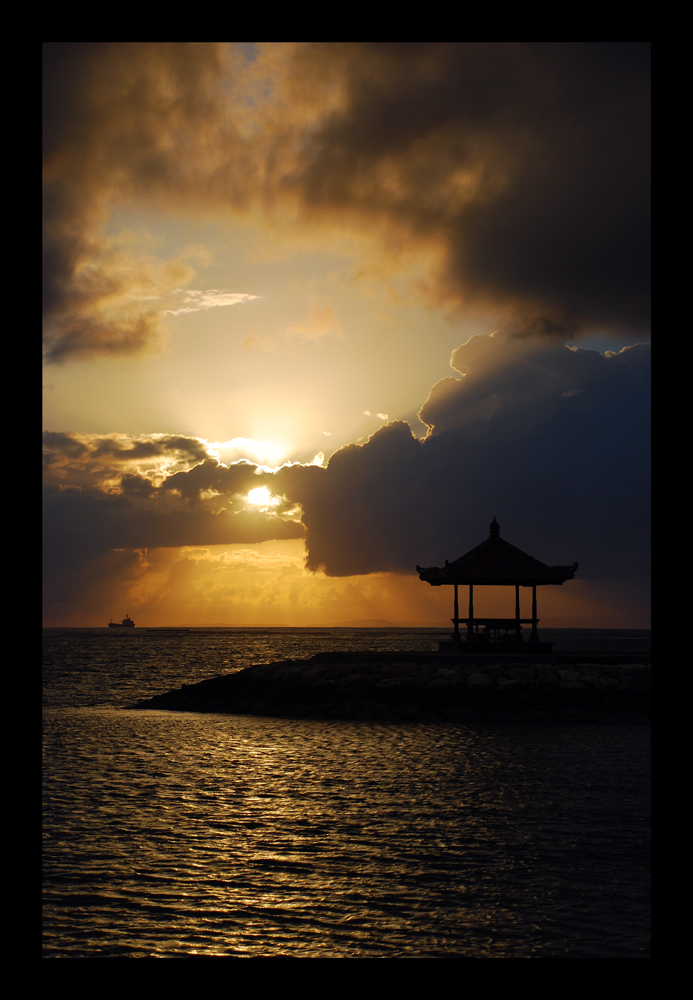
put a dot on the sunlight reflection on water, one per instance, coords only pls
(171, 835)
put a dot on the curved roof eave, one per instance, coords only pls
(496, 562)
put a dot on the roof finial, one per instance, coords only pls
(494, 528)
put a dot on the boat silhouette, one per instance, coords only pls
(127, 622)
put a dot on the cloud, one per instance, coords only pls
(566, 472)
(89, 513)
(194, 301)
(99, 460)
(525, 164)
(321, 322)
(118, 119)
(104, 310)
(518, 173)
(105, 492)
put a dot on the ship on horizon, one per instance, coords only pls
(127, 622)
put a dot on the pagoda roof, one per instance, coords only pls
(496, 563)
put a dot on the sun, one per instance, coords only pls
(261, 497)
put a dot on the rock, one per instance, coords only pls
(496, 671)
(522, 673)
(453, 691)
(479, 680)
(568, 675)
(310, 672)
(574, 714)
(506, 682)
(290, 672)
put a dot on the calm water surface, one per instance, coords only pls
(172, 835)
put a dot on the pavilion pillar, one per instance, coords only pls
(470, 625)
(518, 628)
(534, 637)
(456, 633)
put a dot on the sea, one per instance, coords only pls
(173, 835)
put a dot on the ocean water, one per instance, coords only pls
(174, 834)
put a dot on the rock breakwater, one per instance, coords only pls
(422, 688)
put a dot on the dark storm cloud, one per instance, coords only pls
(524, 167)
(553, 441)
(530, 161)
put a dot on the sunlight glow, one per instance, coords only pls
(262, 497)
(260, 452)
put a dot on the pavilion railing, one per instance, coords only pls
(494, 626)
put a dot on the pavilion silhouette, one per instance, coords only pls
(496, 563)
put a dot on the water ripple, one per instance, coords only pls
(174, 835)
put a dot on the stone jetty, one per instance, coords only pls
(430, 687)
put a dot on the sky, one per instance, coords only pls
(315, 313)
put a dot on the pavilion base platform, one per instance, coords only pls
(464, 647)
(472, 657)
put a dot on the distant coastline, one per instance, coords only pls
(432, 628)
